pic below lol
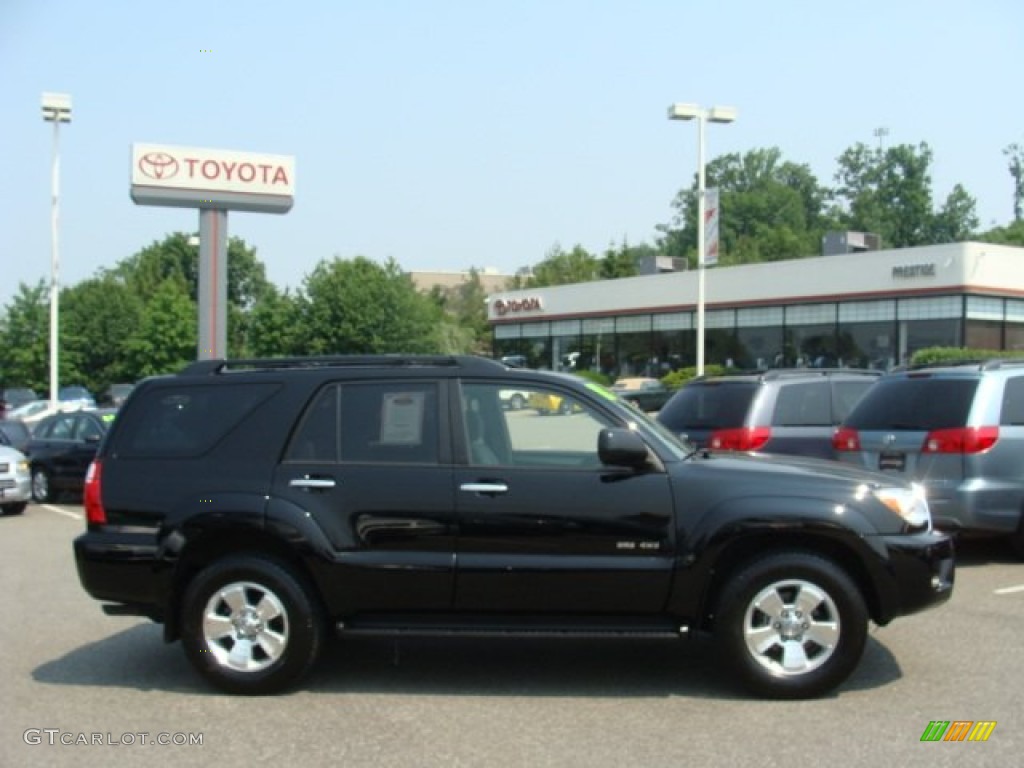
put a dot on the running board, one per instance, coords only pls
(550, 629)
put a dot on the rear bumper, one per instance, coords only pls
(921, 570)
(121, 568)
(975, 505)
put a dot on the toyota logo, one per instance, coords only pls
(158, 165)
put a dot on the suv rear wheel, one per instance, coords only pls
(792, 625)
(250, 626)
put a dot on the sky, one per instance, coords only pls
(470, 133)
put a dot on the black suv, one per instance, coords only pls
(251, 506)
(793, 411)
(958, 429)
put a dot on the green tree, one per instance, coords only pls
(175, 258)
(276, 325)
(25, 339)
(358, 306)
(166, 339)
(1015, 154)
(464, 329)
(621, 261)
(98, 316)
(1012, 234)
(889, 193)
(561, 268)
(771, 209)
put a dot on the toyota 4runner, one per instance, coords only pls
(252, 506)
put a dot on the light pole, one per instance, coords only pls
(56, 110)
(701, 115)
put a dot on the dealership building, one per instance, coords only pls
(870, 308)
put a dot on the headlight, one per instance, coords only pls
(23, 467)
(909, 503)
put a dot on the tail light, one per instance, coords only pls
(960, 440)
(92, 498)
(743, 439)
(846, 439)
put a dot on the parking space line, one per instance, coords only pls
(66, 513)
(1010, 590)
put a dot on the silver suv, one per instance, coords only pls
(786, 410)
(958, 430)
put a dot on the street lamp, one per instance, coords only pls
(56, 110)
(701, 115)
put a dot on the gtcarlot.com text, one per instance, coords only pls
(57, 737)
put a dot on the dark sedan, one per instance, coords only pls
(646, 394)
(61, 449)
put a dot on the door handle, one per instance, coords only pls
(318, 483)
(484, 488)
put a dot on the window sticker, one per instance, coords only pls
(401, 418)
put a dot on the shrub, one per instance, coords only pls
(933, 355)
(678, 378)
(595, 376)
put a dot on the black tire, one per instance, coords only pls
(42, 492)
(796, 609)
(565, 407)
(268, 653)
(15, 509)
(1017, 540)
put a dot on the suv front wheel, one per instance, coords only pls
(250, 626)
(792, 625)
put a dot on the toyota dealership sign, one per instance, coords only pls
(212, 178)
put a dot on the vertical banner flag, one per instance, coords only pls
(711, 226)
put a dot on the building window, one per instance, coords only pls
(867, 345)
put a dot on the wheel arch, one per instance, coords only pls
(224, 543)
(738, 553)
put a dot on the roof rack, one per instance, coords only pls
(773, 374)
(780, 373)
(468, 362)
(982, 364)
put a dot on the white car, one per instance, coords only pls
(32, 413)
(513, 399)
(15, 481)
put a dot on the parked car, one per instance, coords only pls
(956, 429)
(14, 481)
(32, 413)
(12, 397)
(115, 395)
(254, 505)
(791, 411)
(547, 403)
(14, 434)
(61, 448)
(76, 396)
(513, 399)
(645, 393)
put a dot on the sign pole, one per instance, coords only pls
(213, 284)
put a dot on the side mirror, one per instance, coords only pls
(619, 447)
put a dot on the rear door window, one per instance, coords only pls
(709, 405)
(917, 404)
(803, 405)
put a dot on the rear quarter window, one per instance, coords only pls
(184, 421)
(1012, 414)
(918, 404)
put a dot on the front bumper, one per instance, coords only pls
(921, 570)
(15, 489)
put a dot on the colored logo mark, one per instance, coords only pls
(958, 730)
